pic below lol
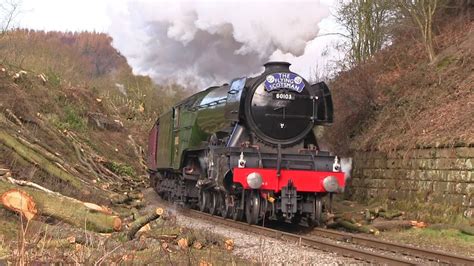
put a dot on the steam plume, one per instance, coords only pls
(210, 42)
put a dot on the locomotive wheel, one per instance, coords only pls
(213, 202)
(237, 214)
(317, 218)
(319, 210)
(226, 210)
(204, 198)
(252, 208)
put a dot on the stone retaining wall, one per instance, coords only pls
(437, 182)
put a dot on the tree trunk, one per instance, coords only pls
(37, 159)
(468, 230)
(68, 210)
(358, 227)
(142, 221)
(389, 225)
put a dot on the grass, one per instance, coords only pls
(4, 251)
(449, 240)
(70, 119)
(53, 78)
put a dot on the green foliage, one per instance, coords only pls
(71, 120)
(53, 78)
(120, 169)
(445, 62)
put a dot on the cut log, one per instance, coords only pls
(358, 227)
(37, 159)
(97, 208)
(390, 215)
(468, 230)
(376, 210)
(57, 243)
(142, 221)
(19, 201)
(390, 225)
(68, 210)
(418, 224)
(164, 237)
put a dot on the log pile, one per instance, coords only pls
(80, 214)
(30, 199)
(371, 220)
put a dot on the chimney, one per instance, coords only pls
(277, 67)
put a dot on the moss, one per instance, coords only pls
(120, 169)
(8, 231)
(446, 61)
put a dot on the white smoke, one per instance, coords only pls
(210, 42)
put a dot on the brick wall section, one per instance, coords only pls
(438, 180)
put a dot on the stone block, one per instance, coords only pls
(380, 163)
(408, 184)
(354, 182)
(469, 213)
(412, 174)
(391, 163)
(356, 172)
(460, 188)
(375, 155)
(425, 185)
(453, 164)
(455, 200)
(457, 175)
(373, 173)
(423, 164)
(423, 154)
(446, 153)
(387, 183)
(469, 190)
(469, 164)
(465, 152)
(440, 187)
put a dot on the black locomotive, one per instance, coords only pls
(248, 149)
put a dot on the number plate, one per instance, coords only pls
(284, 96)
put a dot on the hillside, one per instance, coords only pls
(73, 124)
(398, 100)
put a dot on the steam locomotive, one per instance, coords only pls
(248, 149)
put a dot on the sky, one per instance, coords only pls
(209, 39)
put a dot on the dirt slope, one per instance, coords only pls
(400, 100)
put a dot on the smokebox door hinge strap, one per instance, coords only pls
(279, 160)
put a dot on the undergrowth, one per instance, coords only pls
(72, 120)
(120, 169)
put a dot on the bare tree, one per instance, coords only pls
(367, 24)
(9, 9)
(422, 13)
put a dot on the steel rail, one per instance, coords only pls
(321, 244)
(433, 255)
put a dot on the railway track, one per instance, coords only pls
(432, 255)
(398, 250)
(319, 243)
(323, 239)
